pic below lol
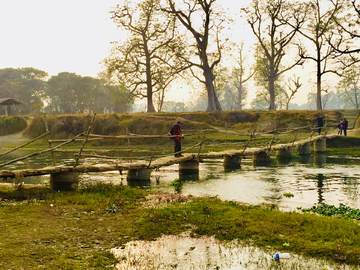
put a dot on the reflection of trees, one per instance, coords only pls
(350, 187)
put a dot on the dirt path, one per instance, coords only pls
(13, 140)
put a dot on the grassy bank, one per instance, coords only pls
(12, 124)
(76, 230)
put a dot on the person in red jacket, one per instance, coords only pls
(176, 130)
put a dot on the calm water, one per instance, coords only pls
(312, 180)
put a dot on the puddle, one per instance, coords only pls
(186, 253)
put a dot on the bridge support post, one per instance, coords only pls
(139, 174)
(232, 162)
(64, 181)
(284, 153)
(320, 145)
(304, 149)
(261, 157)
(189, 167)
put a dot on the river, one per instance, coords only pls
(288, 185)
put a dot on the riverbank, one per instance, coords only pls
(44, 229)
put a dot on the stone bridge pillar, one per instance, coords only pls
(189, 167)
(284, 153)
(261, 157)
(64, 181)
(304, 149)
(320, 145)
(139, 174)
(232, 162)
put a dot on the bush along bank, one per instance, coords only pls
(12, 124)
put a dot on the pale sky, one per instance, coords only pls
(56, 36)
(70, 35)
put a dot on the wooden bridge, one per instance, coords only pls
(67, 177)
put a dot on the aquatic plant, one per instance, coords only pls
(342, 211)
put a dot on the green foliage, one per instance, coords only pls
(331, 210)
(12, 124)
(288, 195)
(70, 230)
(26, 85)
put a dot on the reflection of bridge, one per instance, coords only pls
(66, 177)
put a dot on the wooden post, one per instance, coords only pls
(85, 141)
(53, 158)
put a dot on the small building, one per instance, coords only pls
(8, 102)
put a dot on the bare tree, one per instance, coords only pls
(320, 21)
(240, 76)
(349, 87)
(148, 61)
(268, 22)
(292, 86)
(203, 20)
(347, 29)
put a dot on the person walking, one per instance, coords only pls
(345, 126)
(340, 124)
(176, 130)
(320, 122)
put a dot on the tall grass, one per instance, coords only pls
(12, 124)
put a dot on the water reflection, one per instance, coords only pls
(320, 159)
(320, 185)
(186, 253)
(311, 179)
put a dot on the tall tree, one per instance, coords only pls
(148, 60)
(347, 35)
(203, 19)
(64, 93)
(268, 23)
(241, 75)
(320, 21)
(349, 87)
(23, 84)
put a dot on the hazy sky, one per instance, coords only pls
(73, 35)
(56, 36)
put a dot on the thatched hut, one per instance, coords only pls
(8, 102)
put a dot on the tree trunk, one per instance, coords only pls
(213, 101)
(239, 99)
(318, 82)
(272, 94)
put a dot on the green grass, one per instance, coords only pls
(76, 230)
(12, 124)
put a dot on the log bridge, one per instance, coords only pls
(66, 177)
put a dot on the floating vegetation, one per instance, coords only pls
(288, 195)
(342, 211)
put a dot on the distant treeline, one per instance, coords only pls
(65, 93)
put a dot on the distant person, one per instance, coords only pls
(345, 126)
(320, 122)
(176, 130)
(340, 124)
